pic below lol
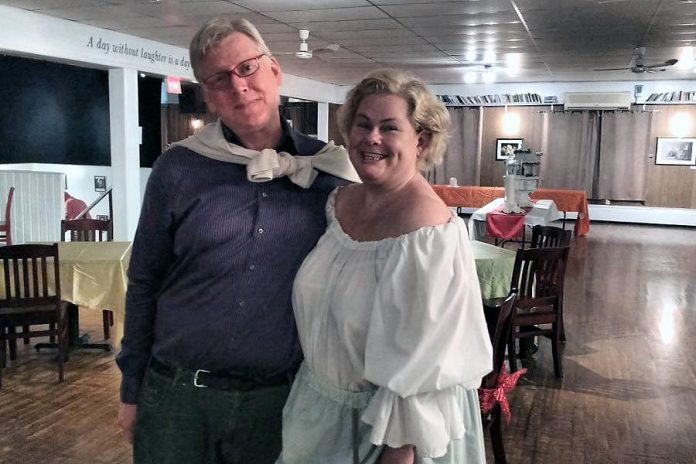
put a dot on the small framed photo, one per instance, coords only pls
(504, 148)
(100, 183)
(675, 150)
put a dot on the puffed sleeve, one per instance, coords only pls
(427, 338)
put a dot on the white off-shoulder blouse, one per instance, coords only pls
(403, 315)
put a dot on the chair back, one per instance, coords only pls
(550, 236)
(499, 322)
(6, 227)
(31, 276)
(87, 230)
(539, 275)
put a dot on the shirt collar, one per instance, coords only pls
(287, 141)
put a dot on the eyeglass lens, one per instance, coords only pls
(244, 69)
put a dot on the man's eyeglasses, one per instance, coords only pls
(221, 80)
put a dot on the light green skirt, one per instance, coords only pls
(321, 425)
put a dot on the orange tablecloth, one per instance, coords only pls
(477, 197)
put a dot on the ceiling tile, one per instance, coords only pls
(333, 14)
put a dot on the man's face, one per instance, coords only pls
(247, 104)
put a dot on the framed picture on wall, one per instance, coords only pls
(504, 148)
(100, 183)
(675, 150)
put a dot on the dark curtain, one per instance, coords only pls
(462, 159)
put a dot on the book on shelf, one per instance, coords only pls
(677, 96)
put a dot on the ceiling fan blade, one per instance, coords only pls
(662, 65)
(612, 69)
(331, 48)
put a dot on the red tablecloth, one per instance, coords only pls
(504, 226)
(476, 197)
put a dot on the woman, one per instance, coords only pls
(388, 305)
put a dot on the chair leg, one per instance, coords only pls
(3, 348)
(25, 332)
(62, 346)
(106, 323)
(496, 432)
(51, 338)
(555, 342)
(511, 350)
(12, 342)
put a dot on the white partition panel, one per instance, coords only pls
(37, 207)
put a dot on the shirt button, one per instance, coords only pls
(264, 195)
(241, 303)
(260, 230)
(252, 267)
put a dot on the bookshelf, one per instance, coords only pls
(496, 99)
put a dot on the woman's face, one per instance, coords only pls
(383, 144)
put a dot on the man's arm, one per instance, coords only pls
(150, 259)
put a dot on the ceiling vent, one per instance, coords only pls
(598, 101)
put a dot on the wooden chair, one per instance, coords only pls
(499, 321)
(539, 275)
(6, 224)
(87, 230)
(91, 230)
(550, 236)
(32, 297)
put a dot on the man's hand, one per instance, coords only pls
(126, 419)
(403, 455)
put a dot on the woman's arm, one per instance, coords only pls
(403, 455)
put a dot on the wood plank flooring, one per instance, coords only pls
(628, 395)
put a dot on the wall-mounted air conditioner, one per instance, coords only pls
(597, 100)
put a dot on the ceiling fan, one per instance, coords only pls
(304, 52)
(638, 65)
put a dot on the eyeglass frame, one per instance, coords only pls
(234, 71)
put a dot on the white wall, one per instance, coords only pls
(80, 180)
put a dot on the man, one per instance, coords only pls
(210, 345)
(74, 206)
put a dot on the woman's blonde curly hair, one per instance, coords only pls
(425, 112)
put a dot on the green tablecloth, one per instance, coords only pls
(494, 268)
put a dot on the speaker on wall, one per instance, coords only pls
(191, 99)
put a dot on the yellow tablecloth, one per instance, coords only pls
(494, 269)
(94, 275)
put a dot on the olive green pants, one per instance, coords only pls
(183, 424)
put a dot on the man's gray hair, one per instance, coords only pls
(215, 31)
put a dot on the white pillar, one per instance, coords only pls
(323, 121)
(125, 151)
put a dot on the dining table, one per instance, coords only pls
(506, 226)
(93, 276)
(473, 196)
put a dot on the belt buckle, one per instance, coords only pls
(196, 382)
